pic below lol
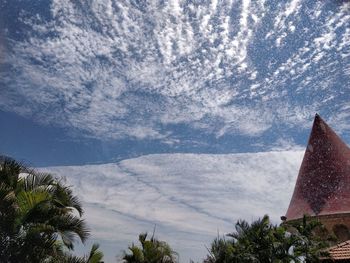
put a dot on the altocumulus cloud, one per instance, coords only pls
(189, 197)
(116, 69)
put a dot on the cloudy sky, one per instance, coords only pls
(142, 84)
(189, 198)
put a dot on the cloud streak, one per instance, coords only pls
(189, 197)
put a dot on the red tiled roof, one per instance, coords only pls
(323, 183)
(340, 251)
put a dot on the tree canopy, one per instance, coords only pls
(40, 217)
(151, 251)
(261, 241)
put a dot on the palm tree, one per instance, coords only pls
(222, 251)
(151, 251)
(310, 244)
(95, 256)
(37, 212)
(260, 241)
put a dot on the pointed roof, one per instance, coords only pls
(323, 183)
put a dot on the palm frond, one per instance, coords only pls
(9, 171)
(63, 197)
(35, 180)
(29, 204)
(95, 255)
(70, 226)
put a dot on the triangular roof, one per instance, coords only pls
(323, 183)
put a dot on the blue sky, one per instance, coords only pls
(96, 82)
(99, 81)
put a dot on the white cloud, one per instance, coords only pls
(189, 197)
(112, 69)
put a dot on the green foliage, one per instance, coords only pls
(312, 239)
(95, 256)
(36, 211)
(262, 241)
(222, 251)
(151, 251)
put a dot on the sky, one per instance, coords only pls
(111, 82)
(188, 198)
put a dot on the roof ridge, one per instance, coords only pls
(340, 245)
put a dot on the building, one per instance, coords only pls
(339, 253)
(322, 189)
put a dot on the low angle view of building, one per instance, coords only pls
(322, 189)
(176, 126)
